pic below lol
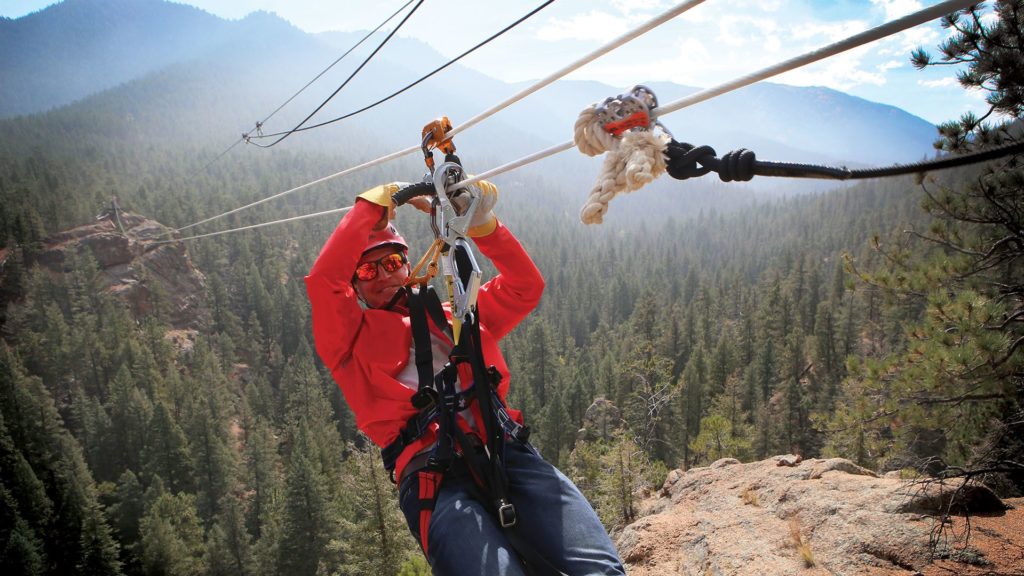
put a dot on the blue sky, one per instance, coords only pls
(712, 43)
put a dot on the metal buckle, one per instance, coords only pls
(506, 514)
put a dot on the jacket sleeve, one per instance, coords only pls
(337, 316)
(506, 299)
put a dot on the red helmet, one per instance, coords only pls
(387, 235)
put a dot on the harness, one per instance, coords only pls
(437, 399)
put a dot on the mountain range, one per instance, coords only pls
(186, 75)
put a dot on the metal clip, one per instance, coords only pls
(434, 137)
(632, 110)
(447, 223)
(506, 514)
(463, 296)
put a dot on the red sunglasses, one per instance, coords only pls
(368, 270)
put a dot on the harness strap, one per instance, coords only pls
(429, 486)
(437, 400)
(421, 336)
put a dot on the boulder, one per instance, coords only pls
(134, 266)
(786, 516)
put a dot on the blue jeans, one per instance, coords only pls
(552, 515)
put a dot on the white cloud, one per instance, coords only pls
(890, 65)
(827, 31)
(841, 72)
(897, 8)
(593, 25)
(629, 7)
(940, 83)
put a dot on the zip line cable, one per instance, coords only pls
(250, 227)
(854, 41)
(347, 80)
(421, 79)
(616, 43)
(760, 168)
(259, 124)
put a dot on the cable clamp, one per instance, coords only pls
(630, 111)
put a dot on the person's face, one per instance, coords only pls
(379, 290)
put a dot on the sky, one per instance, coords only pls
(712, 43)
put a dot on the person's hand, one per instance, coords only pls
(484, 221)
(421, 203)
(381, 196)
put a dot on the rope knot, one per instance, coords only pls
(633, 159)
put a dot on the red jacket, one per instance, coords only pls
(366, 349)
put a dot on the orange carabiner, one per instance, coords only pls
(434, 137)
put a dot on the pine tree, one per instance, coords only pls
(228, 549)
(375, 539)
(172, 537)
(955, 375)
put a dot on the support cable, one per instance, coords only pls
(422, 78)
(347, 80)
(646, 27)
(258, 126)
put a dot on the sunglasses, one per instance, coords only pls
(368, 270)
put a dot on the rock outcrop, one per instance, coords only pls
(135, 267)
(787, 516)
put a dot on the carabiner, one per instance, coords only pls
(434, 137)
(447, 223)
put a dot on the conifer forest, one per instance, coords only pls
(880, 321)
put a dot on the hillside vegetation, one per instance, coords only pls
(721, 321)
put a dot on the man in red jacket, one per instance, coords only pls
(370, 352)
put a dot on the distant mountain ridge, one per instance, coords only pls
(78, 48)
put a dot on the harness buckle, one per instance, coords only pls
(425, 398)
(506, 514)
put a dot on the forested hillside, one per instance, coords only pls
(720, 322)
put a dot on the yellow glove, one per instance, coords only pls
(484, 221)
(381, 196)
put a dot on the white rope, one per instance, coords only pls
(362, 166)
(282, 221)
(616, 43)
(854, 41)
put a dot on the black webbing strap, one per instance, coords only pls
(421, 338)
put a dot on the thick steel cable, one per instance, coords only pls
(854, 41)
(646, 27)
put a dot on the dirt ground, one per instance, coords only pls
(995, 547)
